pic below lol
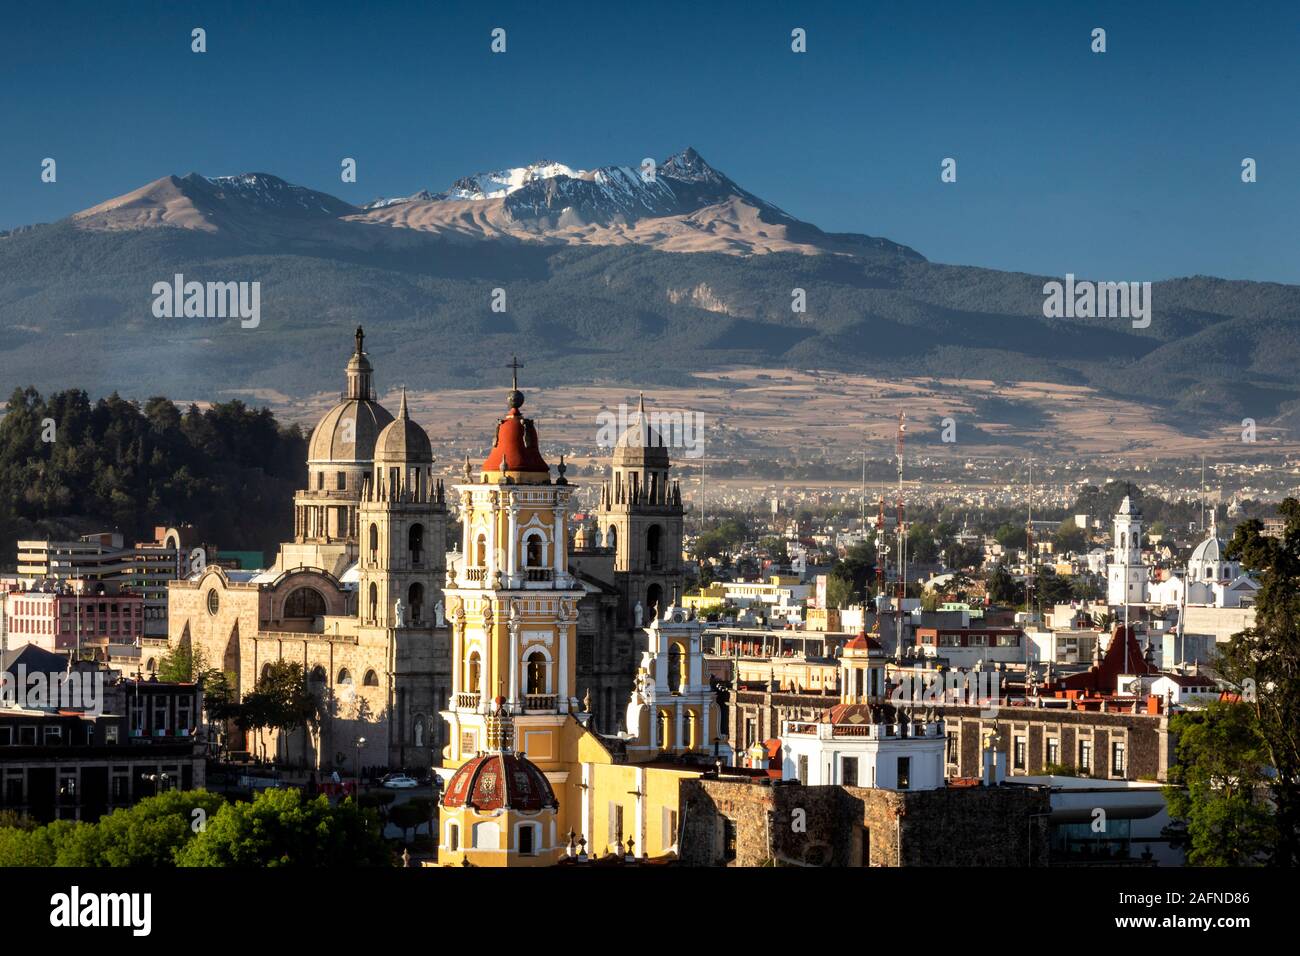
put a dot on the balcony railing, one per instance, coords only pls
(540, 701)
(539, 574)
(476, 574)
(466, 701)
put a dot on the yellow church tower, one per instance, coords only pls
(512, 605)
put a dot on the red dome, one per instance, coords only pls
(496, 781)
(515, 448)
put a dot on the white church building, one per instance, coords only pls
(864, 741)
(1126, 575)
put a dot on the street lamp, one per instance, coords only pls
(361, 742)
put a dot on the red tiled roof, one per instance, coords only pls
(496, 781)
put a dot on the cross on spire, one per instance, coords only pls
(515, 365)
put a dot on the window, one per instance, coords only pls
(534, 559)
(653, 545)
(214, 602)
(1020, 753)
(537, 673)
(53, 735)
(849, 771)
(1117, 759)
(616, 822)
(803, 769)
(904, 773)
(472, 673)
(6, 736)
(304, 602)
(110, 734)
(415, 599)
(527, 834)
(415, 543)
(952, 746)
(320, 481)
(1053, 750)
(345, 676)
(374, 542)
(341, 481)
(371, 679)
(1085, 756)
(453, 837)
(728, 840)
(670, 827)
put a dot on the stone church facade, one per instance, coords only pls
(357, 597)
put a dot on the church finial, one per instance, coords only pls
(361, 338)
(516, 398)
(401, 411)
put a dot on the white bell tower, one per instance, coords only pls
(1126, 576)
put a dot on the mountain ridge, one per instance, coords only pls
(595, 291)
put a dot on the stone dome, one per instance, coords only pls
(348, 432)
(640, 445)
(403, 440)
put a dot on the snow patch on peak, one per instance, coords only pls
(503, 182)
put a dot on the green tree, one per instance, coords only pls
(181, 664)
(1002, 587)
(283, 828)
(1069, 537)
(280, 700)
(148, 834)
(1263, 662)
(1216, 786)
(1010, 536)
(839, 591)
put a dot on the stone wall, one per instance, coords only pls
(743, 823)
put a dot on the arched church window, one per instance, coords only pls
(415, 597)
(676, 668)
(345, 676)
(374, 542)
(480, 552)
(374, 602)
(537, 673)
(534, 558)
(653, 595)
(415, 543)
(653, 545)
(371, 679)
(304, 602)
(472, 673)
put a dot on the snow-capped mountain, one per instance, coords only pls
(681, 205)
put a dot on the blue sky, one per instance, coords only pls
(1122, 165)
